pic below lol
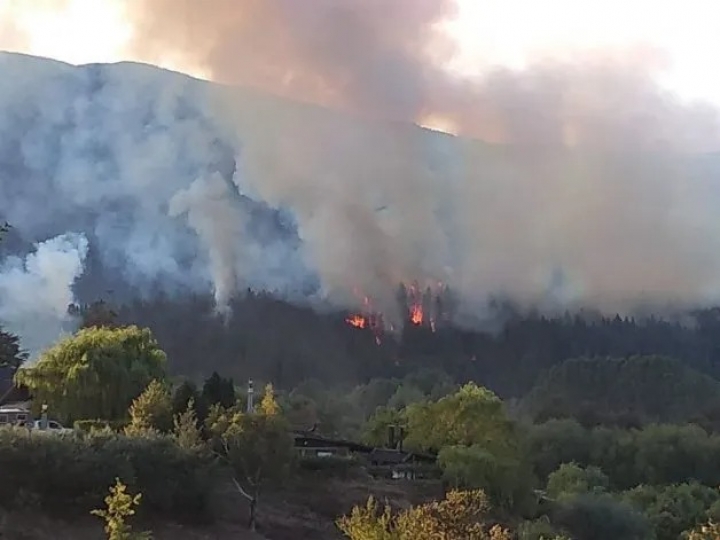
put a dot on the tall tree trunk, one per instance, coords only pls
(253, 506)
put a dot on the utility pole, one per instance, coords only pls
(250, 397)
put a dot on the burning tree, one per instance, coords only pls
(426, 308)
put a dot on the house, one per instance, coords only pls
(12, 396)
(309, 443)
(390, 462)
(397, 464)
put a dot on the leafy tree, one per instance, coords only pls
(99, 313)
(571, 479)
(600, 517)
(151, 411)
(555, 442)
(708, 531)
(539, 529)
(462, 515)
(374, 394)
(120, 506)
(622, 391)
(471, 416)
(268, 404)
(219, 391)
(186, 393)
(256, 446)
(300, 411)
(673, 509)
(376, 429)
(479, 446)
(406, 394)
(96, 373)
(186, 429)
(502, 477)
(11, 355)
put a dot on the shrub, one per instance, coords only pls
(119, 506)
(87, 426)
(71, 474)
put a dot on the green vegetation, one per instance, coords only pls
(96, 373)
(120, 506)
(597, 447)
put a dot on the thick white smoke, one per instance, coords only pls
(35, 292)
(176, 184)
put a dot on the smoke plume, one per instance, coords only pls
(387, 60)
(35, 292)
(572, 183)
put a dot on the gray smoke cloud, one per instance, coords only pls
(602, 194)
(35, 291)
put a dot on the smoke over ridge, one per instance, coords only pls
(603, 193)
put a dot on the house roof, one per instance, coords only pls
(389, 456)
(9, 393)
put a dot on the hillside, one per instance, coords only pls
(126, 181)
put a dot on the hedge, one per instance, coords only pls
(72, 474)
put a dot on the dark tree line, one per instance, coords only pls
(269, 339)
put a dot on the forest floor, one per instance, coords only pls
(305, 509)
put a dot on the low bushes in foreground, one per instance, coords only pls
(71, 474)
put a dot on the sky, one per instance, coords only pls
(512, 33)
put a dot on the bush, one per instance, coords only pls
(87, 426)
(71, 475)
(600, 517)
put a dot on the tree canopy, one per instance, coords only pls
(11, 354)
(96, 373)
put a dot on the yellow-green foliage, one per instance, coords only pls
(709, 531)
(186, 430)
(151, 411)
(462, 515)
(95, 374)
(269, 405)
(119, 506)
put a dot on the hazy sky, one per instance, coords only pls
(681, 33)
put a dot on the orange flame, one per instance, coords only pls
(358, 321)
(416, 314)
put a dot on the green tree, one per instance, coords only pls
(300, 411)
(96, 373)
(376, 430)
(119, 506)
(11, 354)
(151, 411)
(571, 479)
(219, 391)
(99, 313)
(503, 477)
(600, 517)
(478, 445)
(406, 394)
(257, 447)
(471, 416)
(186, 429)
(675, 508)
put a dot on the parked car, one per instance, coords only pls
(52, 427)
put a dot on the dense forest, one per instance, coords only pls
(269, 339)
